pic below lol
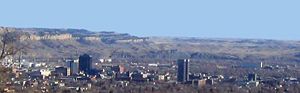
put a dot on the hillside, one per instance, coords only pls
(69, 43)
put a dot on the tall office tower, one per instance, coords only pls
(72, 67)
(183, 70)
(85, 63)
(252, 77)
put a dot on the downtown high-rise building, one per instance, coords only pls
(72, 67)
(85, 63)
(183, 70)
(252, 77)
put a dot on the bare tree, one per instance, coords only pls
(10, 43)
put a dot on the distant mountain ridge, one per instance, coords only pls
(75, 34)
(69, 43)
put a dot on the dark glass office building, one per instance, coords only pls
(252, 77)
(183, 70)
(85, 63)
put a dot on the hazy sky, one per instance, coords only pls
(270, 19)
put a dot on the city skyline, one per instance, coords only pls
(149, 46)
(208, 19)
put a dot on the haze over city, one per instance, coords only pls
(262, 19)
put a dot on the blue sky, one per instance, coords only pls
(268, 19)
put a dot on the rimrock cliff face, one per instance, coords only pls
(37, 34)
(47, 37)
